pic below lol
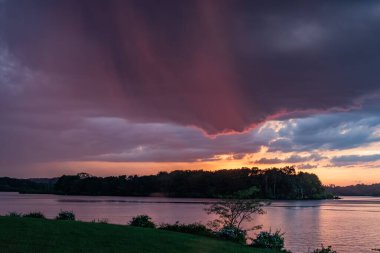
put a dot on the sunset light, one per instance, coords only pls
(175, 114)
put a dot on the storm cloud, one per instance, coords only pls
(188, 81)
(219, 65)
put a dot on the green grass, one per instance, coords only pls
(38, 235)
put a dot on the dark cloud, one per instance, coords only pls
(115, 140)
(121, 81)
(269, 161)
(291, 159)
(217, 65)
(354, 159)
(306, 166)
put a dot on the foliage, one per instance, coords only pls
(234, 212)
(65, 215)
(142, 221)
(25, 185)
(14, 214)
(232, 233)
(250, 193)
(354, 190)
(269, 240)
(38, 215)
(193, 228)
(324, 250)
(274, 183)
(50, 236)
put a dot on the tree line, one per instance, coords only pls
(273, 183)
(8, 184)
(355, 190)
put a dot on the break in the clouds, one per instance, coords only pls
(330, 131)
(142, 81)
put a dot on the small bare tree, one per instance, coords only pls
(234, 212)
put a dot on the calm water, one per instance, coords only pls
(350, 225)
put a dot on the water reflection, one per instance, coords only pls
(301, 224)
(350, 225)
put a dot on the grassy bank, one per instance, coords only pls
(38, 235)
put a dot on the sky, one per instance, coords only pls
(142, 86)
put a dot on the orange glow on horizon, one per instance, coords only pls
(365, 173)
(328, 175)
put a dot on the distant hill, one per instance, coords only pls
(8, 184)
(355, 190)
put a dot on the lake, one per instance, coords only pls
(351, 224)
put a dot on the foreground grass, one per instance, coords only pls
(37, 235)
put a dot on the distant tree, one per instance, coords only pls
(250, 193)
(23, 185)
(309, 186)
(273, 183)
(83, 175)
(354, 190)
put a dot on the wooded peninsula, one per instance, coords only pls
(273, 183)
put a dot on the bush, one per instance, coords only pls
(65, 215)
(269, 240)
(13, 214)
(143, 221)
(233, 234)
(194, 228)
(38, 215)
(324, 250)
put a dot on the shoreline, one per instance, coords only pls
(173, 197)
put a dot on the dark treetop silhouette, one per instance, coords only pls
(274, 183)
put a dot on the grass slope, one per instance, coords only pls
(37, 235)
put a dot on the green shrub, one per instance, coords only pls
(38, 215)
(65, 215)
(233, 234)
(193, 228)
(13, 214)
(143, 221)
(269, 240)
(325, 250)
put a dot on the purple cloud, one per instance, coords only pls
(218, 65)
(135, 81)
